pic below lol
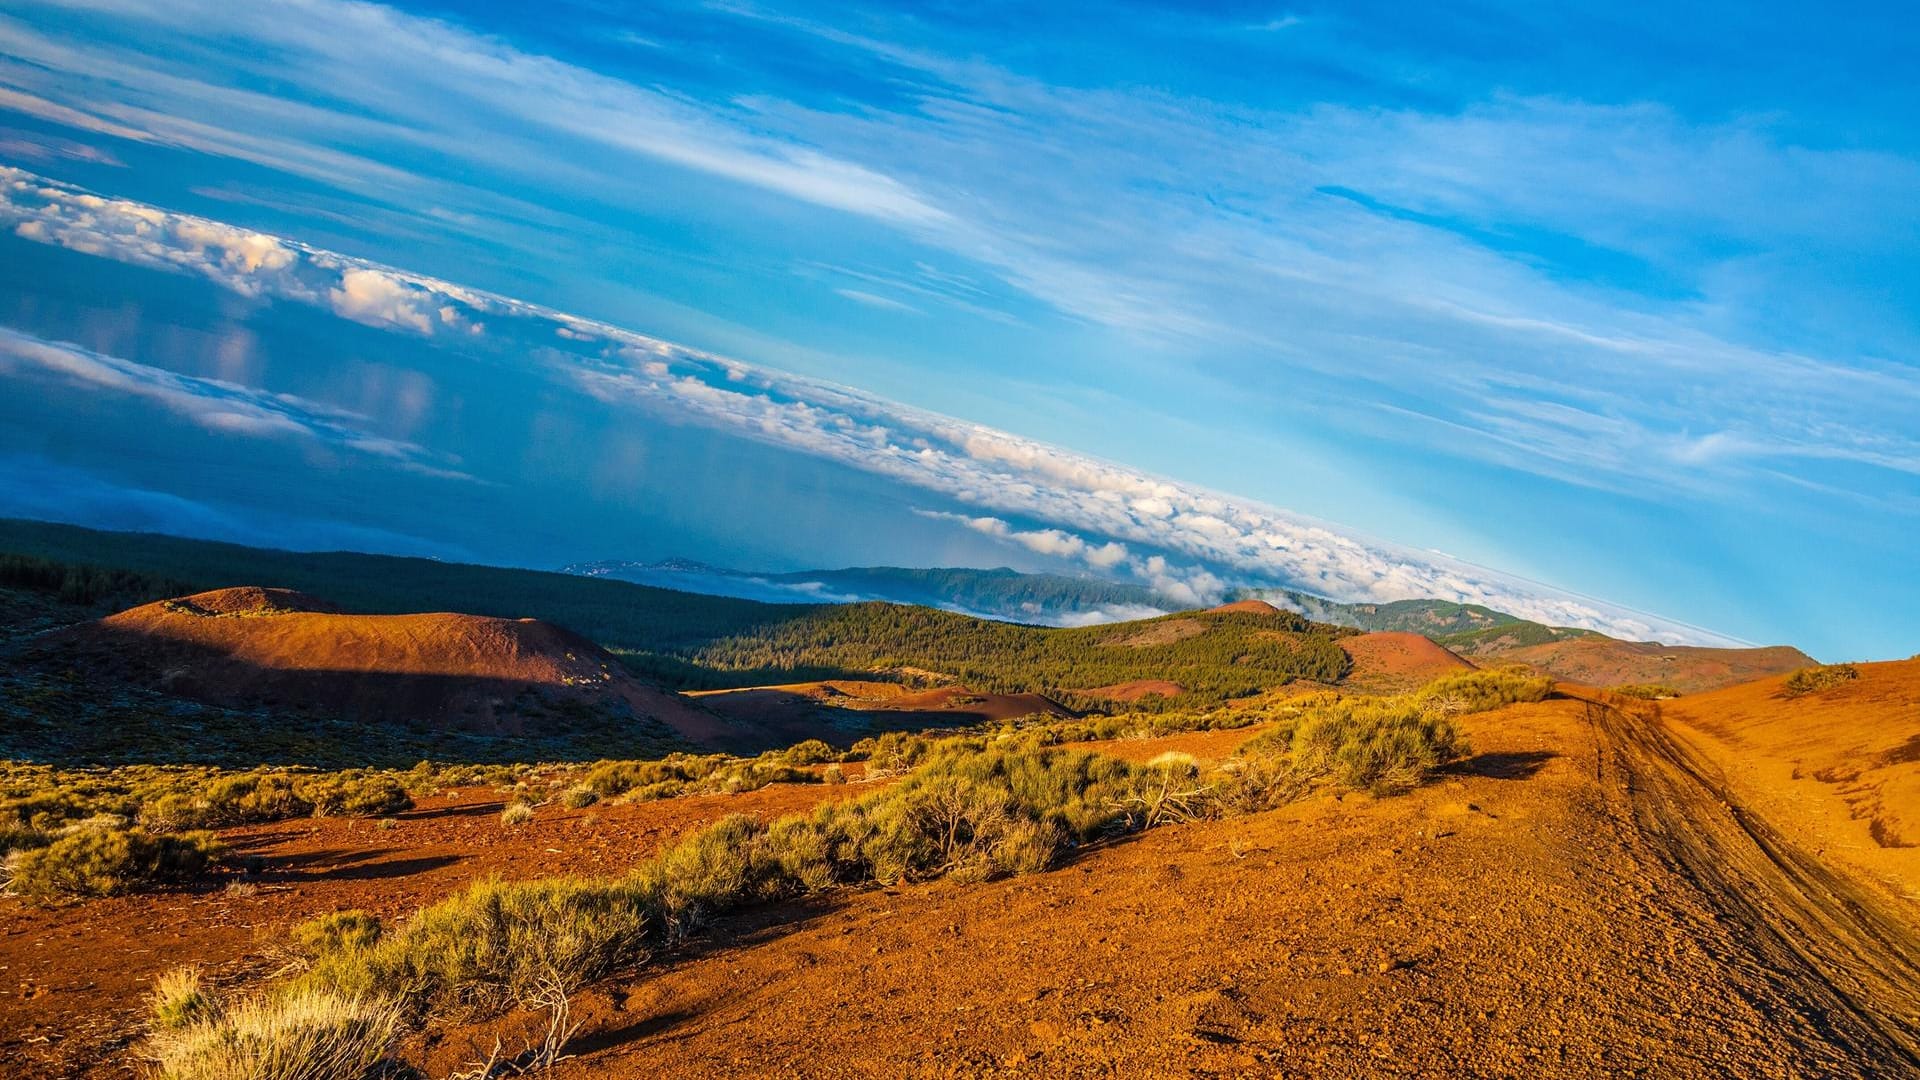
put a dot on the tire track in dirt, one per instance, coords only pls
(1835, 953)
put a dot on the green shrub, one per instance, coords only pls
(1382, 745)
(687, 774)
(354, 794)
(1647, 691)
(496, 944)
(22, 837)
(1824, 677)
(609, 779)
(516, 814)
(108, 862)
(833, 774)
(252, 797)
(579, 797)
(339, 931)
(178, 1000)
(1479, 691)
(809, 752)
(44, 809)
(892, 753)
(304, 1034)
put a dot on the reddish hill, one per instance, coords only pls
(1251, 607)
(1396, 660)
(1603, 661)
(276, 647)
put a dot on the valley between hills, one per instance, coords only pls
(440, 821)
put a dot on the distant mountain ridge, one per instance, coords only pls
(1000, 593)
(690, 625)
(1476, 632)
(1434, 618)
(1054, 599)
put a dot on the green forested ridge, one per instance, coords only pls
(1434, 618)
(87, 586)
(1509, 636)
(1213, 655)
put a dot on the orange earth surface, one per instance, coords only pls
(252, 645)
(1605, 887)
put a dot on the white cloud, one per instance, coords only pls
(465, 90)
(379, 298)
(214, 405)
(1109, 517)
(885, 303)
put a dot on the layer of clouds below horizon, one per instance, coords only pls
(1103, 518)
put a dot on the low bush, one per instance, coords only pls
(892, 753)
(1815, 679)
(108, 862)
(689, 774)
(432, 776)
(22, 837)
(494, 945)
(265, 795)
(808, 752)
(1647, 691)
(516, 814)
(579, 797)
(338, 932)
(354, 793)
(178, 1000)
(1479, 691)
(303, 1034)
(1382, 748)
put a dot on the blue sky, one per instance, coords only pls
(1620, 301)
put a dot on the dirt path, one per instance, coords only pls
(1846, 963)
(1576, 902)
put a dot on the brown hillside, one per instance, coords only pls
(1251, 607)
(1393, 661)
(794, 711)
(276, 647)
(1602, 661)
(1843, 762)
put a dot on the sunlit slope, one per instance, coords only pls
(1841, 763)
(244, 646)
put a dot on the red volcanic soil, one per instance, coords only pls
(73, 977)
(1396, 660)
(1842, 763)
(1603, 661)
(1584, 898)
(1137, 689)
(278, 647)
(809, 709)
(1251, 607)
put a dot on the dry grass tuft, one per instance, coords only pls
(301, 1034)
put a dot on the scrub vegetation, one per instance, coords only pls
(969, 807)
